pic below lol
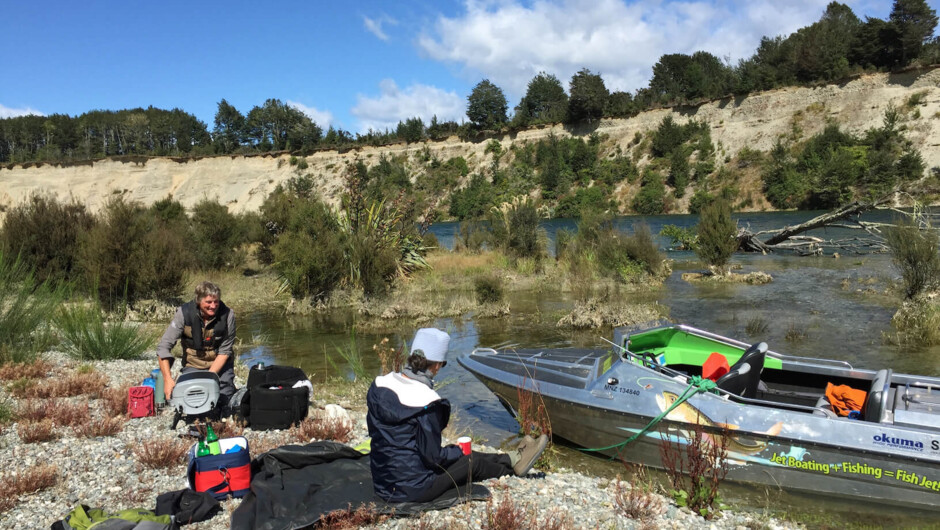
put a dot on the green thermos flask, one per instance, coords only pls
(159, 398)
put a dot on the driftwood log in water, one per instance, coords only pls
(826, 219)
(789, 238)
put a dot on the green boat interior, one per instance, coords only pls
(756, 375)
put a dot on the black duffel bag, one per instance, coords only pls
(272, 401)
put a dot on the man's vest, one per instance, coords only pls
(201, 344)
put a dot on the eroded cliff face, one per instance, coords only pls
(754, 121)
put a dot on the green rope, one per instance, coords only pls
(696, 385)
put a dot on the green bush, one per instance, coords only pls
(682, 238)
(670, 135)
(45, 233)
(784, 186)
(251, 226)
(651, 199)
(571, 206)
(429, 241)
(699, 200)
(613, 258)
(489, 289)
(216, 234)
(914, 246)
(87, 336)
(641, 248)
(717, 233)
(515, 229)
(563, 241)
(128, 255)
(26, 306)
(372, 264)
(679, 171)
(472, 236)
(309, 252)
(473, 201)
(611, 171)
(170, 212)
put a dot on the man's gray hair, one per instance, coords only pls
(205, 289)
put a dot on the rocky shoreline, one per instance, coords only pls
(106, 472)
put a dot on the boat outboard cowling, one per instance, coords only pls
(195, 393)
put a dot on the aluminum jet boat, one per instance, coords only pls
(781, 429)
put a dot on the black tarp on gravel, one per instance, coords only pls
(293, 486)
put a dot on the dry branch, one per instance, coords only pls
(826, 219)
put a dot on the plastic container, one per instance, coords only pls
(150, 382)
(159, 398)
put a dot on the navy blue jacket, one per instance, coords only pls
(405, 421)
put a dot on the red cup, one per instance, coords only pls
(464, 443)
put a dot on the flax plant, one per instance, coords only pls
(87, 336)
(26, 306)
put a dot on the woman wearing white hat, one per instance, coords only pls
(406, 417)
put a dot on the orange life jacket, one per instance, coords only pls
(845, 399)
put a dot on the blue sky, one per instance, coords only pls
(357, 65)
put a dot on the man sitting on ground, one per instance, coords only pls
(206, 328)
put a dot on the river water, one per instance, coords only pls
(815, 306)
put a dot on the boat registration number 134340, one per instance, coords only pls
(622, 390)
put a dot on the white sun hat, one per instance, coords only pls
(433, 343)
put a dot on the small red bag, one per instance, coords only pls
(140, 401)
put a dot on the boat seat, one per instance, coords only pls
(743, 378)
(876, 405)
(824, 408)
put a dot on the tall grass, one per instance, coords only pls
(26, 305)
(350, 353)
(87, 336)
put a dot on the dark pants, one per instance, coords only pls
(470, 468)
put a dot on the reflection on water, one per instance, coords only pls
(833, 304)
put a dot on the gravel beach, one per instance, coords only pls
(105, 472)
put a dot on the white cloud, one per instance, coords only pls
(509, 42)
(394, 104)
(7, 112)
(374, 25)
(323, 118)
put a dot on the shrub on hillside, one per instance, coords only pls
(593, 198)
(170, 212)
(44, 233)
(651, 199)
(717, 233)
(473, 201)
